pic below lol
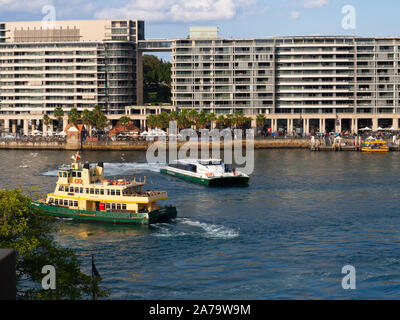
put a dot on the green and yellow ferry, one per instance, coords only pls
(82, 193)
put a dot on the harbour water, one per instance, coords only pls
(287, 236)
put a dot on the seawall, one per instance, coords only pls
(144, 145)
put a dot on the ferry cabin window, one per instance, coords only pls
(91, 191)
(87, 190)
(81, 190)
(118, 206)
(97, 191)
(74, 174)
(102, 191)
(51, 200)
(79, 174)
(56, 201)
(65, 202)
(108, 192)
(107, 206)
(113, 206)
(71, 203)
(113, 192)
(123, 206)
(118, 193)
(60, 188)
(64, 174)
(60, 174)
(76, 190)
(75, 203)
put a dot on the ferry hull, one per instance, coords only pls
(164, 214)
(213, 182)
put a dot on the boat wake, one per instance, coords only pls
(185, 227)
(119, 168)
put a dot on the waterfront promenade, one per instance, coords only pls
(269, 143)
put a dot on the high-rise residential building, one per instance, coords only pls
(289, 77)
(73, 64)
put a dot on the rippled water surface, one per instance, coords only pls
(287, 236)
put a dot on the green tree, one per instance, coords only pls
(151, 121)
(220, 121)
(46, 120)
(124, 121)
(260, 120)
(157, 80)
(88, 119)
(24, 228)
(74, 116)
(58, 114)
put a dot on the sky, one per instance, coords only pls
(235, 18)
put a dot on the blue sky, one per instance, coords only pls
(235, 18)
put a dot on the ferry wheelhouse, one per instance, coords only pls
(210, 172)
(83, 193)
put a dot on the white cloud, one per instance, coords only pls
(176, 10)
(315, 3)
(295, 15)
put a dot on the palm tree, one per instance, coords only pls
(260, 120)
(88, 119)
(151, 121)
(210, 118)
(193, 116)
(229, 120)
(74, 116)
(220, 121)
(46, 120)
(58, 114)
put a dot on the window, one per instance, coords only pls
(107, 206)
(71, 189)
(87, 190)
(71, 203)
(51, 200)
(81, 190)
(76, 190)
(60, 174)
(97, 191)
(113, 192)
(118, 193)
(91, 191)
(60, 188)
(113, 206)
(65, 202)
(118, 206)
(64, 174)
(102, 191)
(124, 206)
(79, 174)
(108, 192)
(74, 174)
(75, 203)
(56, 201)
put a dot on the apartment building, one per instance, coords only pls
(73, 64)
(304, 81)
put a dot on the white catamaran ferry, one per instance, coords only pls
(210, 172)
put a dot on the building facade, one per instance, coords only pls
(74, 64)
(294, 81)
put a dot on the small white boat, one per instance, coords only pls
(210, 172)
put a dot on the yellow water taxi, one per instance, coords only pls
(375, 146)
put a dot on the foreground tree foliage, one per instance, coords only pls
(26, 230)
